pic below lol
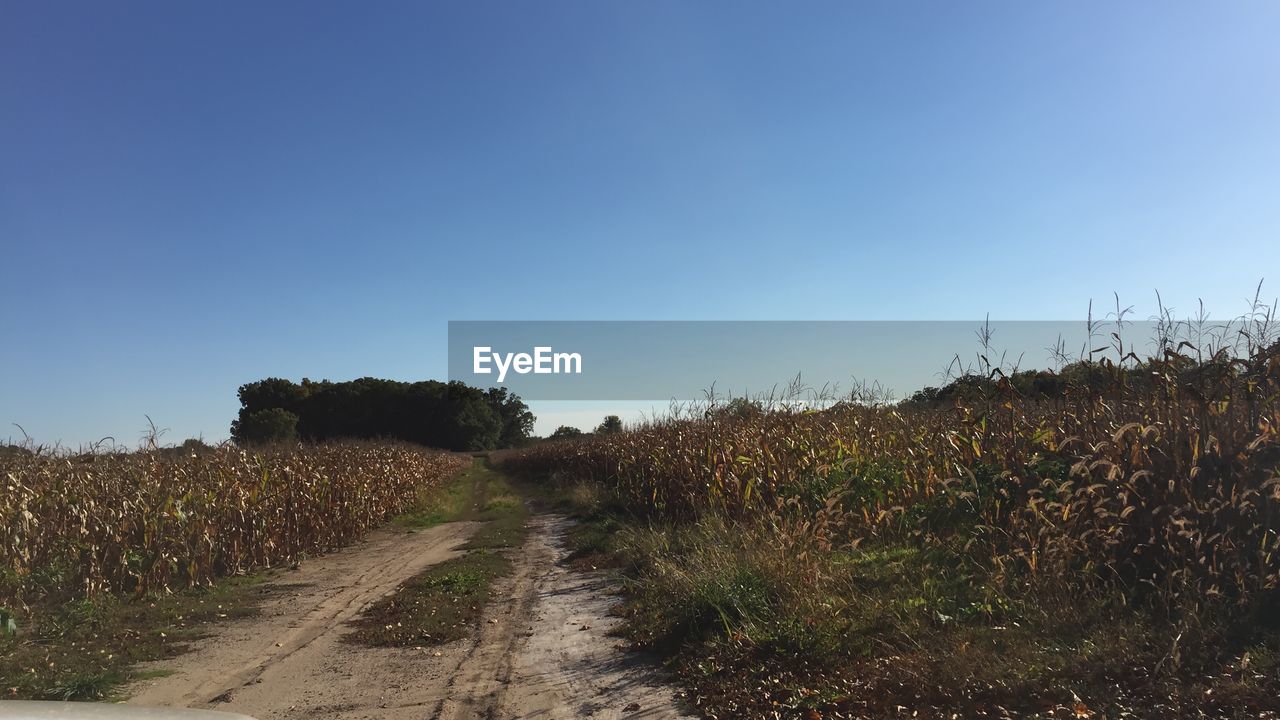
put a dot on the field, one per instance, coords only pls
(103, 551)
(1101, 541)
(299, 581)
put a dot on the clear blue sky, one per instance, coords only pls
(196, 195)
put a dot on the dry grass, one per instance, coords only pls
(94, 543)
(148, 521)
(1116, 541)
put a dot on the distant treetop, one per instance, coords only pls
(450, 415)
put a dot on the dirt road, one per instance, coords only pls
(543, 650)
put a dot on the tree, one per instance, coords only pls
(272, 393)
(265, 426)
(565, 432)
(470, 422)
(611, 424)
(446, 415)
(517, 420)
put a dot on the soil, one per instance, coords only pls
(543, 649)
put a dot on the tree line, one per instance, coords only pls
(611, 424)
(1208, 376)
(452, 415)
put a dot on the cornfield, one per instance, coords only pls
(147, 521)
(1156, 477)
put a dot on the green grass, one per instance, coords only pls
(440, 504)
(85, 686)
(438, 606)
(81, 649)
(445, 602)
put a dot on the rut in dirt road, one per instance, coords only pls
(542, 649)
(270, 665)
(547, 652)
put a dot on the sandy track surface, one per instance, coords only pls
(291, 660)
(543, 650)
(547, 652)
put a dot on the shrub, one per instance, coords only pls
(565, 432)
(611, 424)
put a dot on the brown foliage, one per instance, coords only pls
(149, 520)
(1156, 478)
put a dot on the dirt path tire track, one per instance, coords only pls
(543, 649)
(477, 685)
(300, 631)
(548, 652)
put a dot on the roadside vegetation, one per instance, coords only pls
(87, 648)
(1102, 540)
(110, 558)
(445, 602)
